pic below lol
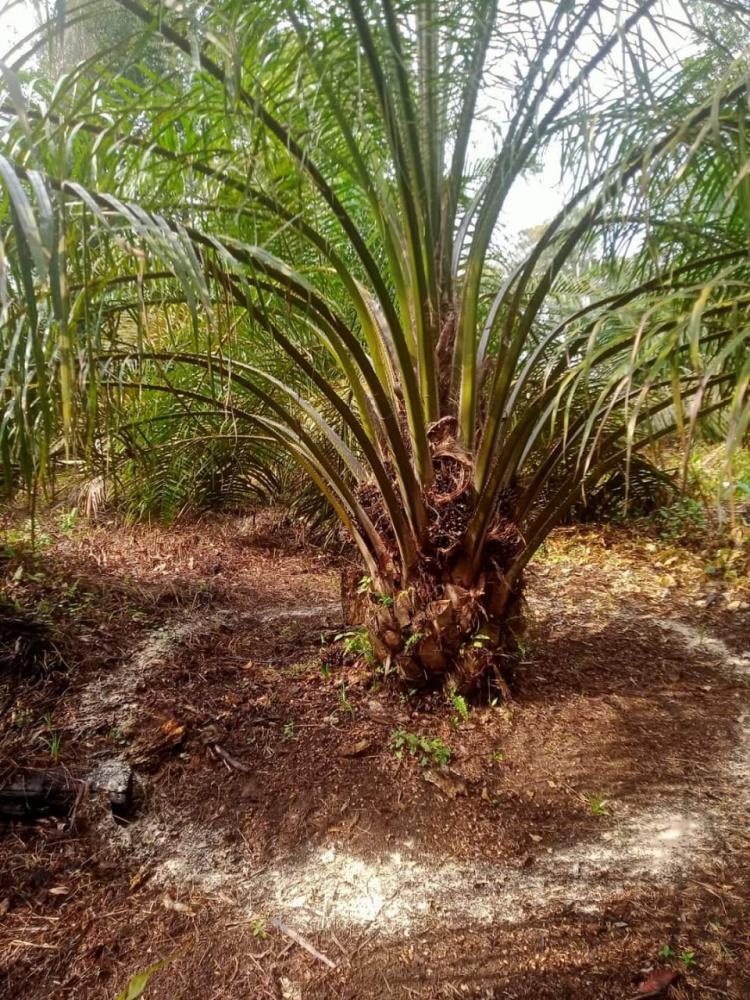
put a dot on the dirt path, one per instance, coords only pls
(597, 820)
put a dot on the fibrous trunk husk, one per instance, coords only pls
(431, 634)
(451, 616)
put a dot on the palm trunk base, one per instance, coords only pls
(434, 634)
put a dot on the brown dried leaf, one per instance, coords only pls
(356, 749)
(657, 983)
(449, 783)
(139, 878)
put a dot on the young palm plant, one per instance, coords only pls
(300, 216)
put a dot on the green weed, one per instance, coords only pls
(358, 644)
(344, 704)
(53, 742)
(427, 750)
(258, 928)
(461, 706)
(599, 805)
(365, 587)
(412, 641)
(25, 535)
(682, 518)
(687, 957)
(68, 520)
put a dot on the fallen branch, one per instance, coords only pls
(229, 760)
(303, 943)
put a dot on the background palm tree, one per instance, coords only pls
(286, 234)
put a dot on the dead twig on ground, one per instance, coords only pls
(232, 763)
(303, 943)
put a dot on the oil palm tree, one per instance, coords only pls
(295, 231)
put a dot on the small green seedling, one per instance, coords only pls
(365, 587)
(478, 640)
(258, 928)
(345, 704)
(461, 706)
(325, 670)
(412, 641)
(666, 951)
(497, 757)
(358, 643)
(288, 731)
(53, 743)
(429, 751)
(406, 696)
(26, 534)
(139, 982)
(688, 959)
(599, 805)
(68, 520)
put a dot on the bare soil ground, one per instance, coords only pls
(590, 832)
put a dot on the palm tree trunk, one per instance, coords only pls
(434, 632)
